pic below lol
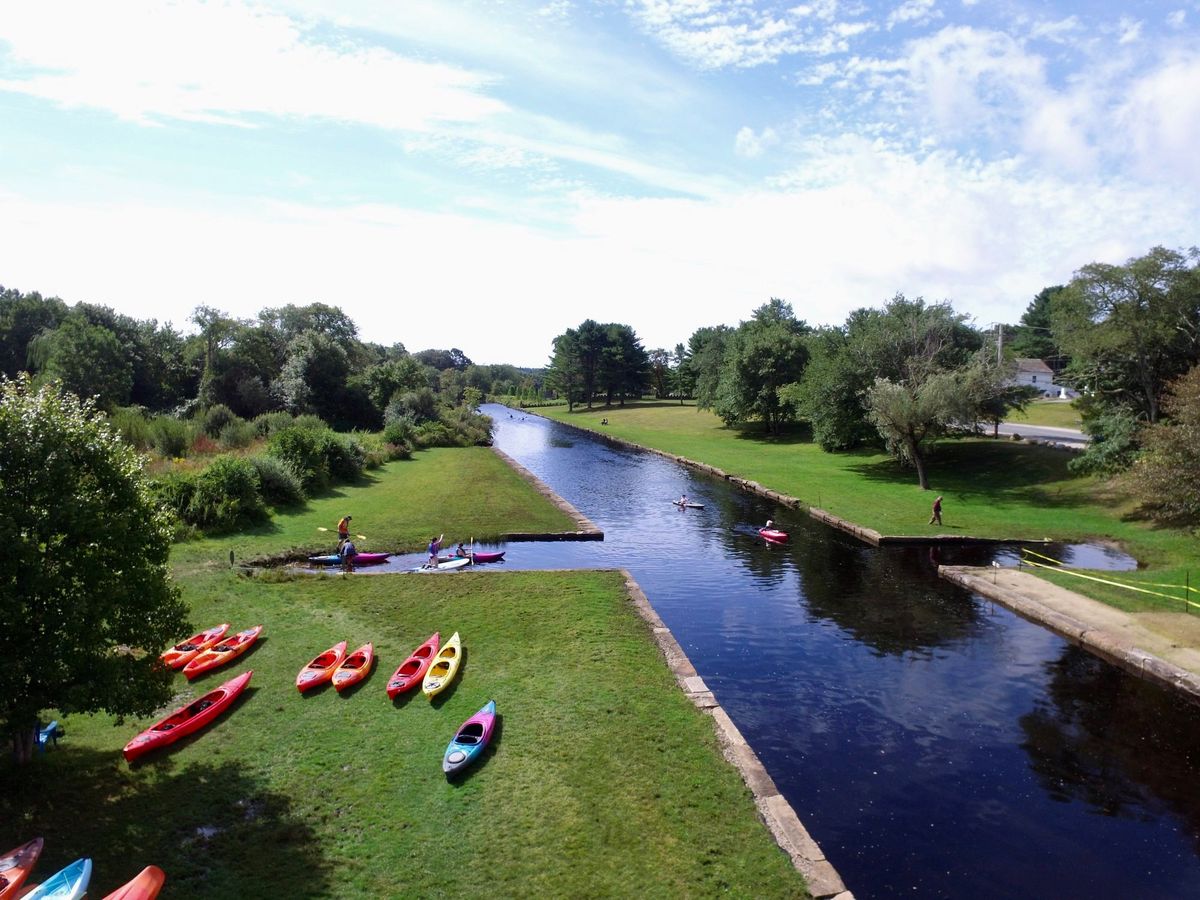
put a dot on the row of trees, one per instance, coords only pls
(297, 359)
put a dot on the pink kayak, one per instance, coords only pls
(773, 535)
(359, 559)
(487, 556)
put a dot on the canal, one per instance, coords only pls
(934, 744)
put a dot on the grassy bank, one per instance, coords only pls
(603, 779)
(1051, 413)
(991, 488)
(464, 492)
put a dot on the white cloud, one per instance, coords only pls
(1177, 19)
(913, 12)
(750, 145)
(1059, 31)
(1130, 30)
(714, 34)
(148, 61)
(1161, 119)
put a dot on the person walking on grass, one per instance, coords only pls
(936, 518)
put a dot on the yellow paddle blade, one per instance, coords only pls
(322, 528)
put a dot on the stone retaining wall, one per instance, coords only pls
(587, 529)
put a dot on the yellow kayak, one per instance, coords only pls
(444, 667)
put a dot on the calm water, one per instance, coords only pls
(934, 744)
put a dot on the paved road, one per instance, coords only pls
(1046, 433)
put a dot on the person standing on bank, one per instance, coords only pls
(343, 531)
(936, 518)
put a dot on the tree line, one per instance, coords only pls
(899, 376)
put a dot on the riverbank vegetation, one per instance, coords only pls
(601, 775)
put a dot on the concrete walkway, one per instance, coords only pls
(1158, 646)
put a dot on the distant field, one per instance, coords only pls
(1051, 413)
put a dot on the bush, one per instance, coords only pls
(344, 456)
(228, 494)
(399, 451)
(174, 490)
(237, 434)
(376, 450)
(278, 481)
(311, 422)
(216, 418)
(203, 445)
(171, 437)
(302, 449)
(269, 423)
(434, 434)
(398, 430)
(131, 423)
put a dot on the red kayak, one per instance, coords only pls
(16, 865)
(355, 667)
(219, 654)
(321, 669)
(412, 670)
(773, 535)
(187, 719)
(185, 651)
(480, 556)
(144, 886)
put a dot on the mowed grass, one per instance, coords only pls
(1051, 413)
(464, 492)
(991, 488)
(603, 779)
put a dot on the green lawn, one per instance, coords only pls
(603, 779)
(465, 493)
(991, 488)
(1051, 413)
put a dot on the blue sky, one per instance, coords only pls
(486, 174)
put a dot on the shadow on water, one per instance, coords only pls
(211, 827)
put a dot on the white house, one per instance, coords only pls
(1035, 373)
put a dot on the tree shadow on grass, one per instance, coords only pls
(795, 433)
(214, 828)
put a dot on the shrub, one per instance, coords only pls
(398, 430)
(280, 484)
(434, 434)
(311, 422)
(344, 455)
(269, 423)
(375, 449)
(228, 494)
(203, 445)
(399, 451)
(131, 423)
(216, 418)
(237, 434)
(174, 490)
(302, 449)
(171, 437)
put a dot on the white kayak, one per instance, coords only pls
(447, 566)
(688, 505)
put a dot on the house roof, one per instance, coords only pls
(1033, 366)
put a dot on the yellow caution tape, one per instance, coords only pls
(1127, 587)
(1178, 587)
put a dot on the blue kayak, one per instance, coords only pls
(70, 883)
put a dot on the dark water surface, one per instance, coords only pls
(934, 744)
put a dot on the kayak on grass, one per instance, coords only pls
(185, 651)
(444, 668)
(224, 652)
(16, 865)
(472, 736)
(143, 886)
(358, 559)
(355, 667)
(70, 883)
(321, 669)
(410, 672)
(188, 718)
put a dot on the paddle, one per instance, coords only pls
(361, 537)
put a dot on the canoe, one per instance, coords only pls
(410, 672)
(359, 559)
(70, 883)
(773, 535)
(448, 566)
(488, 556)
(185, 651)
(16, 865)
(320, 670)
(355, 667)
(687, 505)
(224, 652)
(473, 735)
(143, 886)
(188, 718)
(444, 667)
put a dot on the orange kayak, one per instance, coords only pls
(355, 667)
(186, 719)
(412, 670)
(185, 651)
(144, 886)
(16, 865)
(224, 652)
(321, 669)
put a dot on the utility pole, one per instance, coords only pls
(999, 344)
